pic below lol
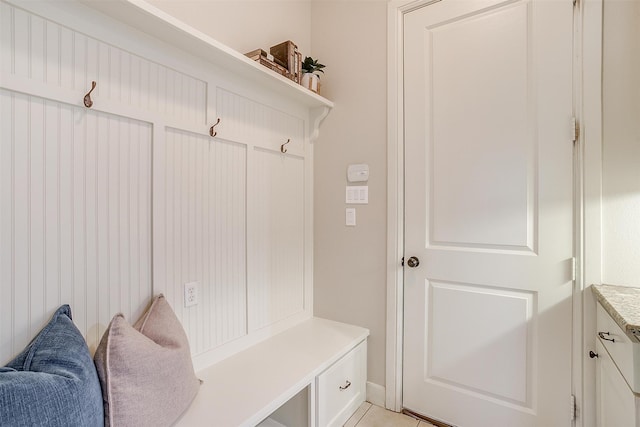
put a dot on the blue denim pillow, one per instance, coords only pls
(53, 382)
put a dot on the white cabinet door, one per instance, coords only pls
(616, 402)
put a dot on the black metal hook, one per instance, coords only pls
(87, 98)
(282, 149)
(212, 131)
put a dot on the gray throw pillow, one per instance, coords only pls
(53, 381)
(146, 371)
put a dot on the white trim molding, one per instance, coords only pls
(375, 394)
(395, 201)
(589, 109)
(393, 391)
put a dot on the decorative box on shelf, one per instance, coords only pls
(282, 58)
(287, 53)
(267, 60)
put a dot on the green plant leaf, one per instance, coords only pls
(310, 65)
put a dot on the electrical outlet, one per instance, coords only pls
(190, 294)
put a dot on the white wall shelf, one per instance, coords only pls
(153, 21)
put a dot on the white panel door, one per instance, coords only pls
(488, 210)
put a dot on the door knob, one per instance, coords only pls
(413, 262)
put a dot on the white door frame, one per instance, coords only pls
(587, 109)
(395, 197)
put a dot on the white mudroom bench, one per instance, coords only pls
(324, 359)
(213, 136)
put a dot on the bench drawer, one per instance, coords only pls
(624, 352)
(341, 388)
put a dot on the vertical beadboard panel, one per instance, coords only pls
(51, 209)
(21, 237)
(200, 200)
(7, 222)
(103, 243)
(37, 236)
(145, 237)
(276, 286)
(91, 225)
(44, 51)
(37, 47)
(6, 39)
(52, 49)
(20, 42)
(227, 105)
(65, 60)
(60, 215)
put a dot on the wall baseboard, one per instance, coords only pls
(375, 394)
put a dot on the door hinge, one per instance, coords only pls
(572, 407)
(575, 129)
(574, 269)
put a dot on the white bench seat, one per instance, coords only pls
(247, 387)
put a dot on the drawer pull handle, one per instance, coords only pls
(346, 386)
(592, 354)
(602, 336)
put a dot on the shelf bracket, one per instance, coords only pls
(317, 116)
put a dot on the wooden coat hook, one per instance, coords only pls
(87, 98)
(212, 130)
(282, 149)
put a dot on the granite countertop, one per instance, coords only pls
(623, 305)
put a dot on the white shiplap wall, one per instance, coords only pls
(201, 234)
(278, 238)
(75, 217)
(102, 208)
(41, 51)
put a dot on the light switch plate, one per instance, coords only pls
(357, 194)
(350, 217)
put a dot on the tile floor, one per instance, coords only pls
(369, 415)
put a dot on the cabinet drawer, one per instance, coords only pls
(624, 352)
(341, 388)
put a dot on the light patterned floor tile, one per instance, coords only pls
(357, 416)
(379, 417)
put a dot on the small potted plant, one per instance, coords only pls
(310, 77)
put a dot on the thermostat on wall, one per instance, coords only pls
(358, 173)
